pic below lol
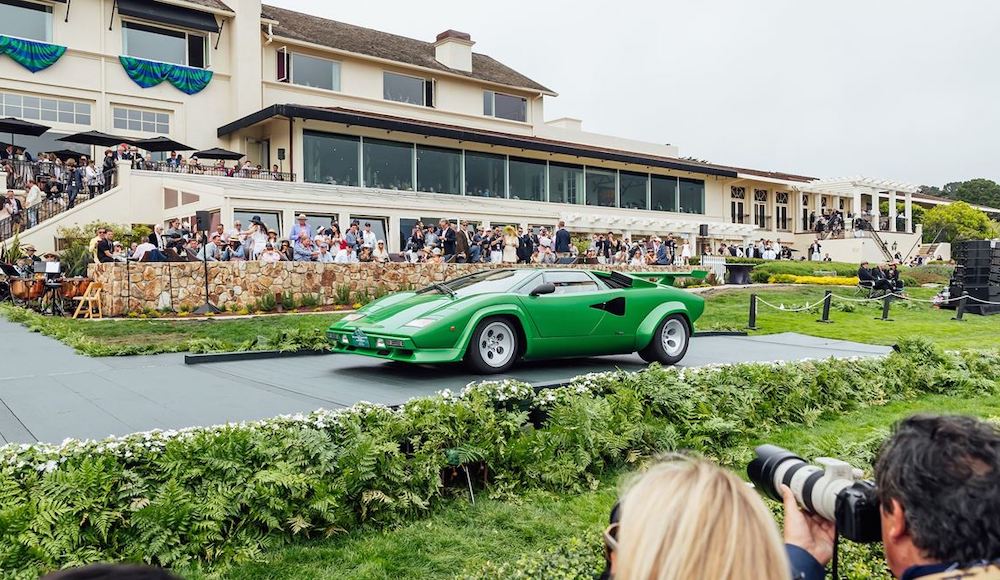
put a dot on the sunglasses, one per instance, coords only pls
(611, 537)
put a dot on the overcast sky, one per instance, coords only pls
(906, 90)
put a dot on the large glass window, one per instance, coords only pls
(330, 159)
(26, 20)
(439, 170)
(485, 174)
(527, 179)
(319, 220)
(505, 106)
(141, 120)
(663, 193)
(407, 89)
(692, 195)
(632, 189)
(41, 108)
(162, 44)
(565, 183)
(388, 165)
(310, 71)
(271, 219)
(378, 225)
(601, 187)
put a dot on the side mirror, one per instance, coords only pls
(546, 288)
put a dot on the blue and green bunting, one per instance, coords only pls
(30, 54)
(148, 73)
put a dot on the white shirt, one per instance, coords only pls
(142, 249)
(545, 241)
(34, 196)
(369, 239)
(324, 257)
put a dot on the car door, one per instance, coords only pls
(570, 321)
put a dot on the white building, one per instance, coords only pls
(372, 126)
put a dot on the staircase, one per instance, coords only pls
(928, 250)
(45, 210)
(881, 245)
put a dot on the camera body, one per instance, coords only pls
(832, 489)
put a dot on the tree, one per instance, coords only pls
(979, 191)
(931, 190)
(918, 211)
(956, 222)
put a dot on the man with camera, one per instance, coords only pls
(934, 505)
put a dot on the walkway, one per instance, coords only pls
(48, 392)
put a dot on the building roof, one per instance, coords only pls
(775, 175)
(369, 42)
(460, 133)
(213, 4)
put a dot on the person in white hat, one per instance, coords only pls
(302, 225)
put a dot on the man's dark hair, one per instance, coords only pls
(112, 572)
(945, 472)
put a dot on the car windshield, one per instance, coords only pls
(488, 281)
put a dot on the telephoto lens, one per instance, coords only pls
(832, 489)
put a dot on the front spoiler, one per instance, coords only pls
(408, 353)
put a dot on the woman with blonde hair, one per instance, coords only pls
(510, 244)
(689, 518)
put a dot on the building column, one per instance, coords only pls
(876, 215)
(908, 211)
(892, 210)
(856, 203)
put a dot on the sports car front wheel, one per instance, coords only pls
(493, 347)
(669, 343)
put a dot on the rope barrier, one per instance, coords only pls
(783, 309)
(973, 298)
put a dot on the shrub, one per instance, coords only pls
(309, 301)
(581, 558)
(267, 303)
(288, 301)
(227, 493)
(343, 294)
(928, 274)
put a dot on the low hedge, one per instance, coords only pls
(221, 494)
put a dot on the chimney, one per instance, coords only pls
(453, 49)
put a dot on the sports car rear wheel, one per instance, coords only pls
(669, 343)
(493, 347)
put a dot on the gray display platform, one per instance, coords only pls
(49, 393)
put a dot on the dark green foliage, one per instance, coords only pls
(214, 496)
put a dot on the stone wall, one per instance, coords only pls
(139, 286)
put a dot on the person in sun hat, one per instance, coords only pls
(380, 254)
(258, 237)
(29, 253)
(301, 225)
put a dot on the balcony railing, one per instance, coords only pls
(215, 170)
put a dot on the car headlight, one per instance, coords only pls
(353, 316)
(420, 322)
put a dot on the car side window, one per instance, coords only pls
(571, 282)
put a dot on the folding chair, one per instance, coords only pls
(91, 300)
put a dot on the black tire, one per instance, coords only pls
(671, 349)
(493, 347)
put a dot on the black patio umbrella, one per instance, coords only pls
(65, 154)
(218, 153)
(19, 127)
(161, 144)
(95, 138)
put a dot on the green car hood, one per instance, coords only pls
(392, 312)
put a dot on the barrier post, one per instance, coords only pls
(827, 299)
(752, 322)
(960, 311)
(885, 308)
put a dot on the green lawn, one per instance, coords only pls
(112, 337)
(461, 537)
(727, 309)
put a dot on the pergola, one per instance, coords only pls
(876, 188)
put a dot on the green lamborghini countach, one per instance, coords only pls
(492, 318)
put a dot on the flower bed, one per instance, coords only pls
(814, 280)
(220, 494)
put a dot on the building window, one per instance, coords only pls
(330, 159)
(565, 183)
(692, 195)
(485, 174)
(527, 179)
(271, 219)
(388, 164)
(632, 189)
(44, 109)
(141, 120)
(663, 193)
(378, 225)
(26, 20)
(407, 89)
(601, 187)
(504, 106)
(439, 170)
(781, 210)
(308, 71)
(164, 45)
